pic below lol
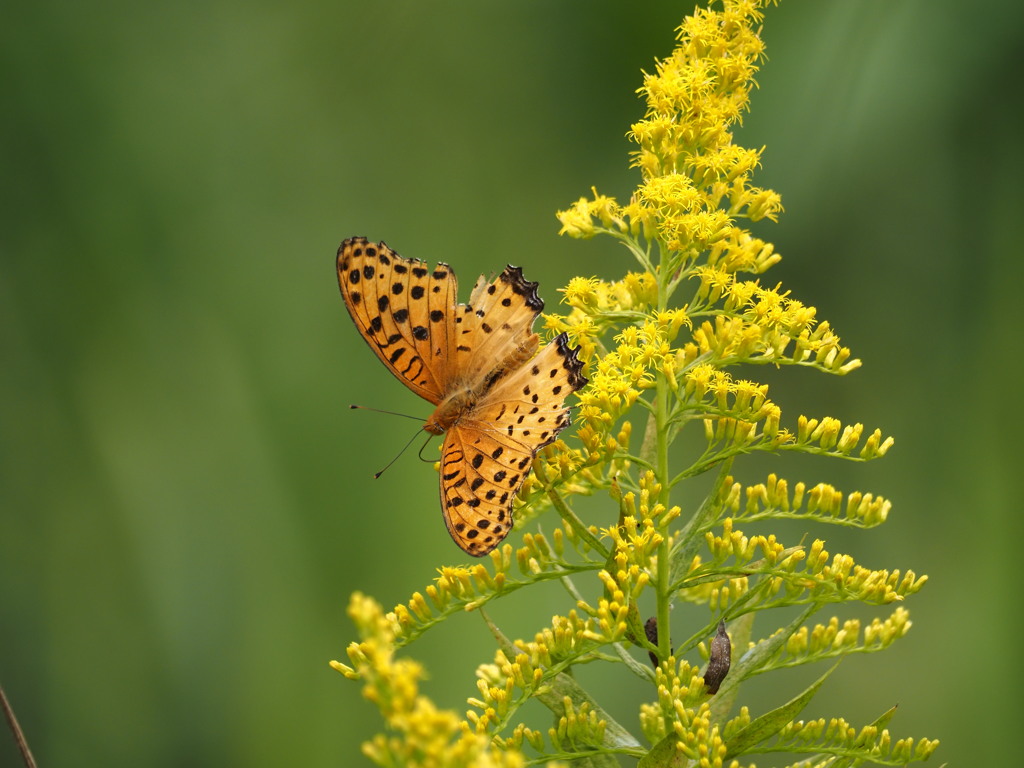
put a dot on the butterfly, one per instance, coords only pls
(498, 400)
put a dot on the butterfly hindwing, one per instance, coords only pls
(487, 456)
(495, 328)
(477, 488)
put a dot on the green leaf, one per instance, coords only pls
(639, 669)
(664, 755)
(553, 692)
(689, 539)
(752, 661)
(596, 761)
(886, 718)
(560, 686)
(770, 723)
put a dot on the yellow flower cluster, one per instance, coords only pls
(560, 466)
(758, 325)
(421, 734)
(458, 589)
(826, 433)
(579, 728)
(581, 220)
(832, 639)
(679, 722)
(619, 377)
(695, 180)
(659, 342)
(839, 734)
(566, 638)
(774, 499)
(526, 669)
(798, 570)
(595, 305)
(507, 684)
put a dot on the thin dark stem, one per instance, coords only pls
(19, 737)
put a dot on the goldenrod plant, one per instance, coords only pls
(662, 346)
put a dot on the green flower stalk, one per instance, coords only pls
(661, 344)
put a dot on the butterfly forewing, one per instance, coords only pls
(404, 311)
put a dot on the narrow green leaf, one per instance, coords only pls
(689, 539)
(751, 662)
(596, 761)
(647, 446)
(637, 668)
(561, 686)
(770, 723)
(886, 718)
(552, 694)
(664, 755)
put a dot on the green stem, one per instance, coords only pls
(661, 418)
(571, 520)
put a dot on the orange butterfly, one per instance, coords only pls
(498, 402)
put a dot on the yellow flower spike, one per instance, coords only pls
(697, 188)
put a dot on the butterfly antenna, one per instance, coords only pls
(389, 413)
(399, 453)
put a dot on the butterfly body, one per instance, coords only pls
(450, 411)
(498, 400)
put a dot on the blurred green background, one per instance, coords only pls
(186, 499)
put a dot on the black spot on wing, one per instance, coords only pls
(525, 288)
(571, 362)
